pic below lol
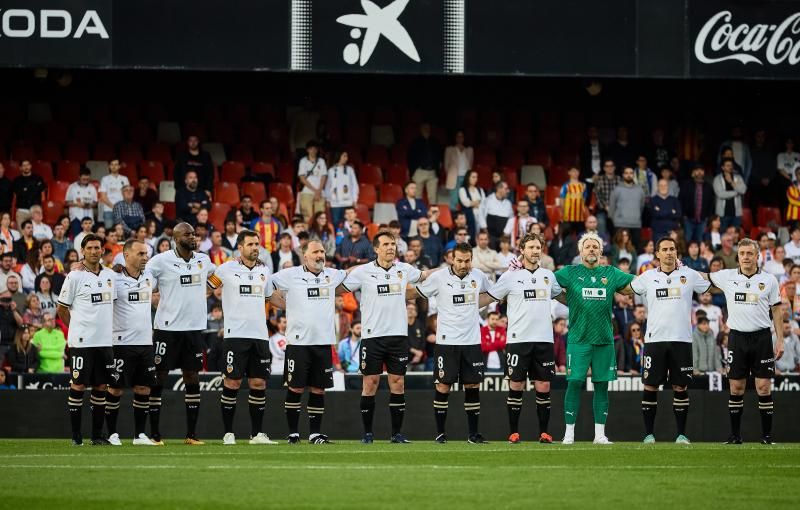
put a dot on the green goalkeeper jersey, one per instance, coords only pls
(590, 296)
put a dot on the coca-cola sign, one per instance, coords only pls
(723, 38)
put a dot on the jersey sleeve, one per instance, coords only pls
(280, 280)
(215, 279)
(701, 285)
(716, 279)
(414, 274)
(563, 277)
(430, 287)
(774, 294)
(71, 192)
(555, 288)
(211, 267)
(638, 285)
(484, 284)
(68, 291)
(268, 288)
(500, 289)
(622, 278)
(339, 276)
(353, 280)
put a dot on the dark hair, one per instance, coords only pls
(725, 160)
(88, 238)
(376, 241)
(311, 143)
(463, 248)
(664, 239)
(407, 184)
(26, 223)
(465, 182)
(394, 224)
(244, 234)
(359, 223)
(87, 218)
(84, 171)
(526, 238)
(245, 196)
(702, 320)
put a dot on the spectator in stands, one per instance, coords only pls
(506, 255)
(145, 195)
(493, 342)
(34, 315)
(572, 200)
(645, 177)
(486, 259)
(87, 227)
(349, 217)
(792, 199)
(460, 221)
(423, 261)
(658, 152)
(157, 215)
(127, 212)
(50, 343)
(517, 226)
(727, 252)
(189, 198)
(436, 228)
(536, 206)
(621, 150)
(29, 188)
(460, 235)
(217, 253)
(284, 256)
(424, 160)
(277, 346)
(706, 354)
(25, 243)
(14, 287)
(110, 192)
(10, 315)
(621, 247)
(196, 160)
(431, 244)
(740, 152)
(341, 187)
(560, 344)
(350, 349)
(81, 198)
(495, 211)
(665, 211)
(41, 230)
(410, 209)
(7, 234)
(313, 174)
(6, 190)
(267, 226)
(6, 269)
(730, 189)
(623, 311)
(591, 225)
(402, 246)
(202, 230)
(229, 234)
(23, 358)
(355, 248)
(712, 312)
(321, 231)
(60, 242)
(201, 217)
(563, 247)
(416, 338)
(793, 246)
(51, 271)
(248, 211)
(673, 188)
(591, 155)
(45, 293)
(697, 204)
(626, 206)
(342, 319)
(693, 260)
(789, 362)
(604, 184)
(163, 245)
(458, 160)
(775, 266)
(471, 196)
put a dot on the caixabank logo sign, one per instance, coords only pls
(55, 32)
(396, 36)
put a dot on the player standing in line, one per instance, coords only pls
(457, 355)
(590, 292)
(309, 292)
(85, 305)
(133, 342)
(668, 291)
(180, 276)
(245, 288)
(752, 295)
(529, 348)
(384, 337)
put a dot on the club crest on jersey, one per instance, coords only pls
(441, 374)
(594, 280)
(99, 284)
(761, 287)
(475, 284)
(157, 360)
(229, 368)
(363, 365)
(199, 265)
(75, 374)
(108, 282)
(533, 280)
(387, 276)
(747, 285)
(604, 280)
(669, 280)
(263, 277)
(463, 285)
(683, 280)
(147, 281)
(327, 279)
(400, 275)
(546, 280)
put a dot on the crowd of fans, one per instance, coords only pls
(628, 195)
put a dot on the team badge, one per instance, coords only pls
(683, 280)
(387, 276)
(603, 280)
(669, 280)
(533, 280)
(594, 280)
(474, 284)
(157, 360)
(108, 282)
(546, 280)
(263, 277)
(327, 279)
(400, 274)
(463, 285)
(147, 281)
(229, 368)
(250, 277)
(441, 374)
(289, 378)
(510, 370)
(646, 373)
(199, 265)
(747, 285)
(99, 284)
(363, 365)
(75, 374)
(761, 287)
(189, 267)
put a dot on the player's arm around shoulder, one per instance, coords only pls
(623, 282)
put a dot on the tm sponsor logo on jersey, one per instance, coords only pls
(318, 293)
(376, 22)
(721, 40)
(673, 293)
(537, 294)
(589, 293)
(388, 289)
(190, 279)
(463, 299)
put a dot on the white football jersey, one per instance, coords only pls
(244, 292)
(310, 301)
(383, 297)
(669, 302)
(90, 299)
(133, 309)
(458, 322)
(528, 294)
(749, 299)
(182, 288)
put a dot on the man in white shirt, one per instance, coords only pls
(713, 313)
(110, 192)
(458, 356)
(313, 174)
(85, 305)
(793, 246)
(495, 211)
(277, 347)
(517, 226)
(81, 198)
(486, 259)
(41, 230)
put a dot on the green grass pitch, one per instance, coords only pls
(51, 474)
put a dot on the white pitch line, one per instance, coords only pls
(359, 467)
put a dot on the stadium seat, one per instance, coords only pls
(227, 192)
(84, 132)
(484, 176)
(378, 156)
(23, 151)
(362, 211)
(110, 132)
(242, 153)
(168, 132)
(56, 132)
(153, 170)
(283, 192)
(557, 175)
(533, 174)
(97, 169)
(391, 192)
(399, 154)
(52, 210)
(166, 191)
(159, 152)
(194, 129)
(397, 174)
(647, 234)
(445, 216)
(68, 171)
(384, 212)
(512, 156)
(485, 156)
(286, 173)
(767, 215)
(370, 174)
(131, 152)
(540, 156)
(169, 210)
(130, 170)
(367, 195)
(223, 132)
(261, 168)
(747, 219)
(256, 191)
(510, 176)
(217, 214)
(250, 134)
(550, 194)
(232, 171)
(372, 229)
(140, 133)
(57, 191)
(217, 151)
(48, 151)
(101, 152)
(554, 214)
(44, 169)
(266, 152)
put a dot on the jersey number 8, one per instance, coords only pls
(648, 361)
(440, 362)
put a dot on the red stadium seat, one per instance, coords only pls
(56, 132)
(256, 191)
(84, 132)
(485, 156)
(445, 217)
(377, 155)
(554, 214)
(558, 174)
(227, 192)
(110, 132)
(57, 191)
(372, 229)
(367, 195)
(22, 152)
(362, 211)
(11, 169)
(153, 170)
(131, 152)
(140, 133)
(232, 171)
(647, 234)
(130, 169)
(223, 132)
(267, 152)
(260, 168)
(540, 156)
(169, 210)
(159, 152)
(391, 192)
(102, 152)
(242, 153)
(250, 134)
(397, 174)
(217, 214)
(68, 171)
(44, 169)
(370, 174)
(484, 176)
(766, 215)
(286, 173)
(52, 210)
(512, 156)
(550, 194)
(48, 151)
(510, 176)
(747, 219)
(399, 154)
(283, 192)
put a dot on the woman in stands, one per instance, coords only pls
(621, 247)
(7, 234)
(714, 235)
(693, 260)
(471, 196)
(458, 160)
(23, 357)
(341, 188)
(44, 291)
(34, 315)
(163, 245)
(321, 231)
(33, 263)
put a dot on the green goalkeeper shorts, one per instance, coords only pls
(601, 358)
